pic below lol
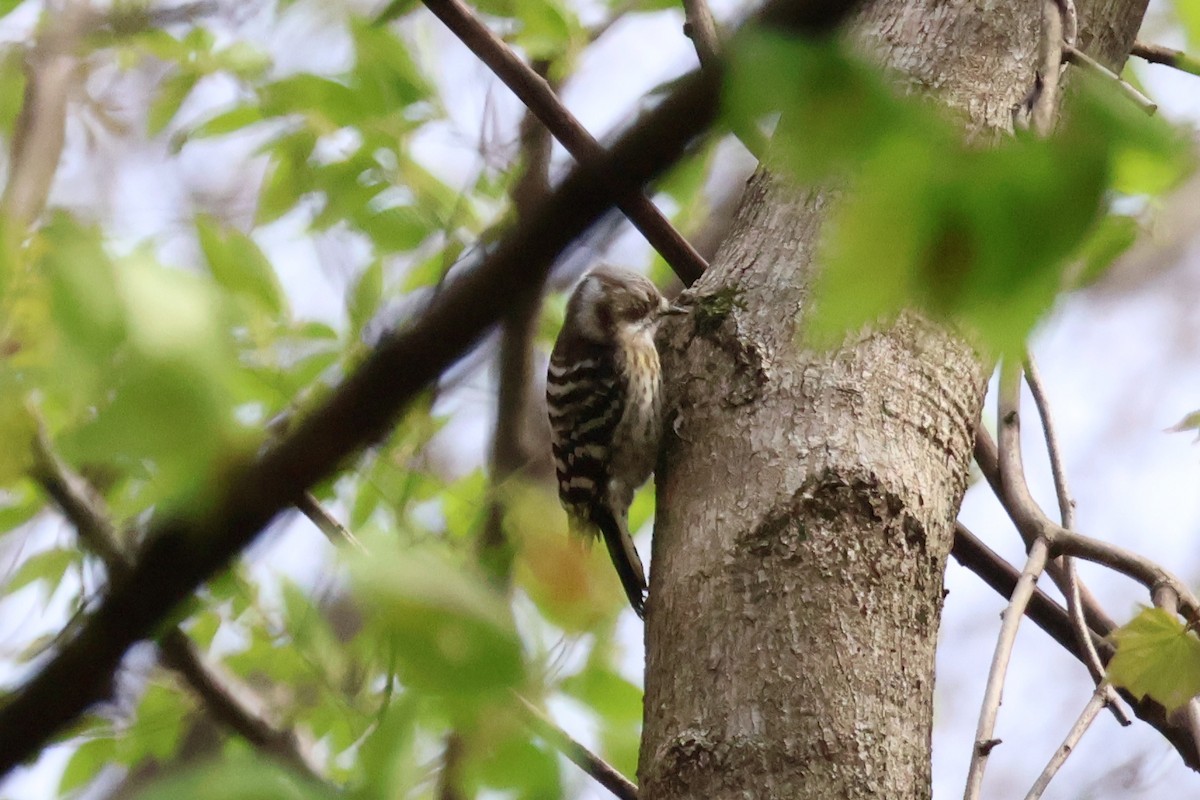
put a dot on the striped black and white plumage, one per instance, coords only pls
(603, 392)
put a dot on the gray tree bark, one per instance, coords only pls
(806, 500)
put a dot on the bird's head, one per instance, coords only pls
(610, 301)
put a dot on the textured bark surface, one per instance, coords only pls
(806, 501)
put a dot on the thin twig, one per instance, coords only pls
(1066, 505)
(1090, 711)
(1066, 510)
(449, 784)
(597, 768)
(51, 74)
(701, 28)
(994, 691)
(1157, 54)
(233, 705)
(539, 97)
(334, 531)
(1074, 55)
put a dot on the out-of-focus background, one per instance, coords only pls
(1121, 361)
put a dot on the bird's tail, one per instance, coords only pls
(624, 557)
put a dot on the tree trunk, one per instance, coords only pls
(806, 501)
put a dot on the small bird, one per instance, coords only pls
(604, 392)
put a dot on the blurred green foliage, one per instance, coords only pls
(984, 237)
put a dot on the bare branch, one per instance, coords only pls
(1066, 505)
(1090, 711)
(1074, 55)
(600, 770)
(994, 691)
(51, 72)
(1052, 618)
(1157, 54)
(1132, 565)
(701, 28)
(539, 97)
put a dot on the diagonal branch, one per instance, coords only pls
(1157, 54)
(186, 548)
(232, 705)
(604, 773)
(539, 97)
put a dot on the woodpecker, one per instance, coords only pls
(603, 391)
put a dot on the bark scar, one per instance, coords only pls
(833, 496)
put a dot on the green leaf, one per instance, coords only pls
(244, 60)
(238, 265)
(385, 76)
(203, 627)
(547, 28)
(601, 688)
(389, 764)
(17, 430)
(395, 10)
(395, 230)
(86, 303)
(176, 365)
(236, 779)
(364, 298)
(978, 237)
(1157, 657)
(834, 110)
(48, 565)
(89, 758)
(1190, 422)
(174, 89)
(451, 631)
(1188, 12)
(1107, 242)
(228, 122)
(290, 176)
(18, 504)
(508, 760)
(335, 102)
(12, 88)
